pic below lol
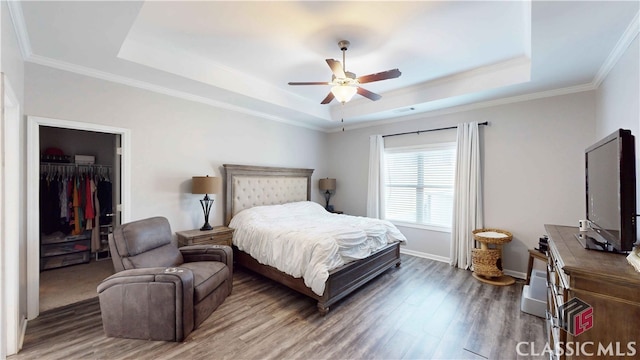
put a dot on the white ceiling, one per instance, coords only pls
(241, 55)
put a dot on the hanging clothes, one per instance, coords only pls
(88, 202)
(76, 208)
(70, 200)
(95, 233)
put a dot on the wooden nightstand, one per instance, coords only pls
(220, 235)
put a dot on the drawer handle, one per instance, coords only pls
(553, 320)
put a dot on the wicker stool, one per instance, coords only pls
(487, 261)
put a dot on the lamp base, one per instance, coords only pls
(327, 196)
(206, 208)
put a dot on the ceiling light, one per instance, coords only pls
(344, 93)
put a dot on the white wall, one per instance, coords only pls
(12, 64)
(618, 101)
(618, 97)
(173, 139)
(533, 155)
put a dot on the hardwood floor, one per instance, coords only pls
(422, 310)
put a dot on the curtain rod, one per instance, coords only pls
(421, 131)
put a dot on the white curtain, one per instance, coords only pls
(467, 196)
(375, 193)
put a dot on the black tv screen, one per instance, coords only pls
(611, 192)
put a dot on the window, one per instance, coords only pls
(419, 185)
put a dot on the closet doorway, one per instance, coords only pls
(71, 166)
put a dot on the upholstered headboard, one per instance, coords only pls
(248, 186)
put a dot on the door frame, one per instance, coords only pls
(33, 200)
(12, 323)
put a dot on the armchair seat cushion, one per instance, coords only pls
(207, 276)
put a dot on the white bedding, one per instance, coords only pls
(303, 240)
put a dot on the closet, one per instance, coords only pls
(78, 190)
(76, 211)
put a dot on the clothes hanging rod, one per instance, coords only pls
(421, 131)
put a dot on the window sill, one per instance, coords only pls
(420, 226)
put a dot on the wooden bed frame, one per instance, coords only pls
(248, 186)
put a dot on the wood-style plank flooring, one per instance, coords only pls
(421, 310)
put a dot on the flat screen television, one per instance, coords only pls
(610, 172)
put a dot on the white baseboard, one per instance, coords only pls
(515, 274)
(23, 330)
(425, 255)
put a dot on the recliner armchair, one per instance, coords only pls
(160, 291)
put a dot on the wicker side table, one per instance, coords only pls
(487, 261)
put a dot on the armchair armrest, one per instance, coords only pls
(220, 253)
(139, 303)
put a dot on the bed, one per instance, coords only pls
(247, 187)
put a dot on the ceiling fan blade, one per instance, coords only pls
(328, 99)
(336, 68)
(310, 83)
(368, 94)
(389, 74)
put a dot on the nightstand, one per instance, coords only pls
(219, 235)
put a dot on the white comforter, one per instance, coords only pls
(303, 240)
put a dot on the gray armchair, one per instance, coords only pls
(160, 291)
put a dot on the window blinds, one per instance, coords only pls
(419, 186)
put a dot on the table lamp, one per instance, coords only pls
(327, 185)
(206, 185)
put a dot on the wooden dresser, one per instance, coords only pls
(604, 320)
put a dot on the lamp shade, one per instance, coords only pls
(327, 184)
(344, 93)
(206, 185)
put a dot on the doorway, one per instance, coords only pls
(121, 209)
(74, 251)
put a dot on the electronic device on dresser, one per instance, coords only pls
(610, 174)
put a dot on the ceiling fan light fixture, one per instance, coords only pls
(344, 93)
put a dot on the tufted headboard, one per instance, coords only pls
(248, 186)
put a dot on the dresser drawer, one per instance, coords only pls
(209, 239)
(219, 235)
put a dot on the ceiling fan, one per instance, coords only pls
(345, 84)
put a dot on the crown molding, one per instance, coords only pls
(90, 72)
(20, 27)
(618, 51)
(621, 47)
(473, 106)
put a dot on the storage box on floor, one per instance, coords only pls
(58, 250)
(534, 295)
